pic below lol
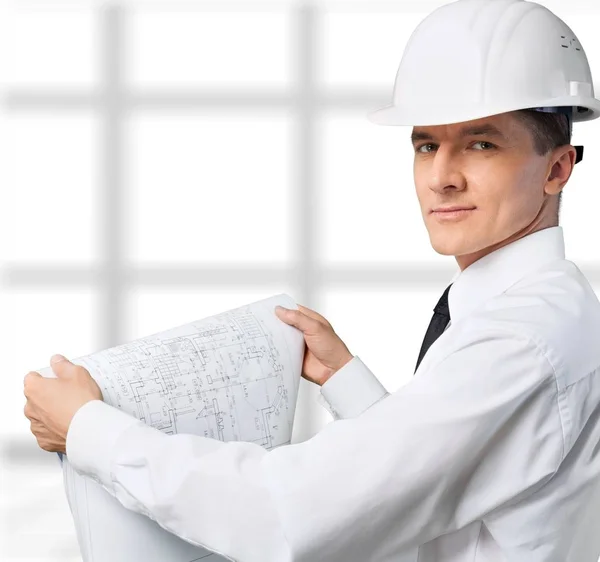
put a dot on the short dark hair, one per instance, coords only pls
(548, 130)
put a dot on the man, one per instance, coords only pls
(490, 452)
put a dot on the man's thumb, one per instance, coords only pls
(60, 364)
(296, 318)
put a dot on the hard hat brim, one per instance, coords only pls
(439, 115)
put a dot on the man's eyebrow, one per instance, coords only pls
(468, 131)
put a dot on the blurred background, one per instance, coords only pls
(166, 161)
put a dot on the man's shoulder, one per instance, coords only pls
(558, 311)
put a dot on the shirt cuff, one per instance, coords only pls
(352, 390)
(92, 436)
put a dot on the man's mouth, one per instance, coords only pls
(454, 213)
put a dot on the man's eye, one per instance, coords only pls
(430, 147)
(420, 148)
(488, 144)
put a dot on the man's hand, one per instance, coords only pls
(52, 403)
(326, 353)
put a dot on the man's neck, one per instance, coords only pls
(466, 260)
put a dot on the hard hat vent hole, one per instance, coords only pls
(569, 43)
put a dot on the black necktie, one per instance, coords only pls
(439, 321)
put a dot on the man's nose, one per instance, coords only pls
(445, 173)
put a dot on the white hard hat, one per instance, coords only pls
(475, 58)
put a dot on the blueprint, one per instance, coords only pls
(233, 377)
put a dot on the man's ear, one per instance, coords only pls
(562, 163)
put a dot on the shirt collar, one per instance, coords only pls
(493, 274)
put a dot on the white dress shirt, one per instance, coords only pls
(490, 452)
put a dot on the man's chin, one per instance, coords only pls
(446, 247)
(444, 251)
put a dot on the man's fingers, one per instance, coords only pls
(314, 315)
(46, 440)
(30, 412)
(61, 366)
(37, 427)
(31, 376)
(298, 319)
(29, 382)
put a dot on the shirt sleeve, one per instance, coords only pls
(476, 430)
(351, 390)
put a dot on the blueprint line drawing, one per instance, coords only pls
(233, 377)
